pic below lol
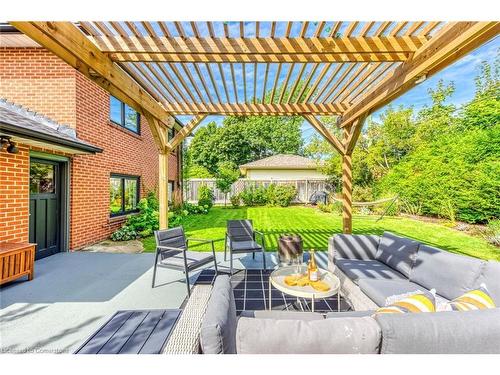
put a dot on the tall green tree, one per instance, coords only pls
(240, 140)
(226, 175)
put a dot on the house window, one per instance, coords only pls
(123, 194)
(121, 114)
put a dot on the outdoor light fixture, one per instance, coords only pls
(421, 79)
(12, 148)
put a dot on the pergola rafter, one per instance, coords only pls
(348, 69)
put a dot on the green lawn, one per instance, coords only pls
(316, 227)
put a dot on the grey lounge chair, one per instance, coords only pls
(172, 251)
(240, 238)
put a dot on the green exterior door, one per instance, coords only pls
(45, 215)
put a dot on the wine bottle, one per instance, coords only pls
(312, 268)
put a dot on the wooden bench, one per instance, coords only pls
(132, 332)
(16, 260)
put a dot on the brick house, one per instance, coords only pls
(94, 181)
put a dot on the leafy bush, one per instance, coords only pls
(332, 207)
(147, 220)
(280, 195)
(362, 193)
(254, 196)
(125, 233)
(205, 196)
(492, 232)
(235, 200)
(194, 208)
(273, 195)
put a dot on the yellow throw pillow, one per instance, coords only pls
(416, 303)
(477, 299)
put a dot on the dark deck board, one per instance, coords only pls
(137, 340)
(104, 334)
(161, 333)
(132, 332)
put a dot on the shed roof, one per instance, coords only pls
(281, 161)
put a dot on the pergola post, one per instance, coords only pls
(346, 186)
(163, 188)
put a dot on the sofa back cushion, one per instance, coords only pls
(490, 276)
(361, 247)
(441, 333)
(218, 329)
(325, 336)
(397, 252)
(450, 274)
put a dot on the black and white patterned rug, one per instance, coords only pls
(250, 287)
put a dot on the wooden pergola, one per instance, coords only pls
(348, 69)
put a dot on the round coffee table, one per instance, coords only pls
(277, 279)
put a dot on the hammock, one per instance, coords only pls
(374, 203)
(366, 204)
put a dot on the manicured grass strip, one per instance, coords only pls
(316, 227)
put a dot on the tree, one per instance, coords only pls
(227, 174)
(243, 139)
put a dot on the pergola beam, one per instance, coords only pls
(251, 109)
(186, 130)
(323, 130)
(66, 41)
(451, 43)
(260, 50)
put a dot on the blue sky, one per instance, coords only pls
(462, 73)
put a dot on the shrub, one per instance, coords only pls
(141, 224)
(205, 196)
(235, 200)
(280, 195)
(147, 220)
(362, 194)
(254, 196)
(194, 208)
(125, 233)
(332, 207)
(492, 232)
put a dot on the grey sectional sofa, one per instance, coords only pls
(352, 332)
(371, 268)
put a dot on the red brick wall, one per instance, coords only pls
(14, 195)
(39, 80)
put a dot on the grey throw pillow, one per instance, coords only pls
(399, 253)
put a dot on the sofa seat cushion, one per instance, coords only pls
(490, 276)
(367, 269)
(218, 328)
(450, 274)
(380, 290)
(397, 252)
(352, 246)
(245, 246)
(326, 336)
(276, 314)
(456, 332)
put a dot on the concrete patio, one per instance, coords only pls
(73, 294)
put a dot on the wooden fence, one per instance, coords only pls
(304, 188)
